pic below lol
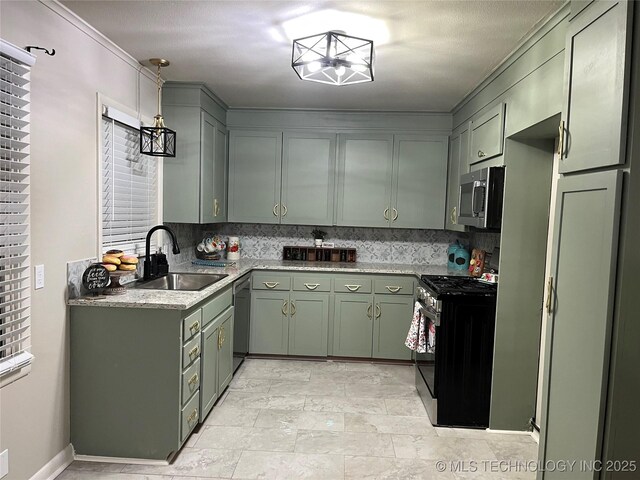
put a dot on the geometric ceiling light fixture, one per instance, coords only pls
(158, 140)
(333, 58)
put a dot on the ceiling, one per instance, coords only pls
(429, 53)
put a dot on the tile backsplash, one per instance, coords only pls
(374, 245)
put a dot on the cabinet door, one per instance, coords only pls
(364, 180)
(220, 175)
(487, 135)
(308, 324)
(579, 328)
(596, 86)
(254, 176)
(308, 177)
(269, 322)
(458, 165)
(393, 315)
(181, 183)
(419, 182)
(208, 369)
(225, 349)
(208, 127)
(353, 325)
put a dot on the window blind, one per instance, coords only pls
(129, 187)
(15, 287)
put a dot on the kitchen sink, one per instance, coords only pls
(181, 281)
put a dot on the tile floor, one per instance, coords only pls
(294, 419)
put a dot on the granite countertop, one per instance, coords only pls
(177, 300)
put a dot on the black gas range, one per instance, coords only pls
(454, 381)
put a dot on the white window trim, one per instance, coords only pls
(104, 102)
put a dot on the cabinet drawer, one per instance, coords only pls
(394, 285)
(191, 325)
(487, 135)
(269, 281)
(352, 284)
(191, 351)
(216, 306)
(189, 417)
(312, 284)
(190, 381)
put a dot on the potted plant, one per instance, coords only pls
(318, 235)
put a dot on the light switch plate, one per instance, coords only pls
(4, 463)
(39, 276)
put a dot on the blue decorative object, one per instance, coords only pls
(461, 260)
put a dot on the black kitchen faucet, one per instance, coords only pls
(155, 265)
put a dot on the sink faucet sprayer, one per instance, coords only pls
(151, 264)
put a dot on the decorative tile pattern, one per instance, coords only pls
(378, 245)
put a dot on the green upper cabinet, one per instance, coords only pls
(364, 179)
(419, 182)
(308, 172)
(195, 180)
(487, 134)
(596, 87)
(458, 165)
(254, 176)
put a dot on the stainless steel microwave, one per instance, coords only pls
(480, 198)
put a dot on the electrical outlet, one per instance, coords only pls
(4, 463)
(39, 274)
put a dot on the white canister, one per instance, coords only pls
(233, 248)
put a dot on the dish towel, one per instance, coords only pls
(431, 340)
(416, 338)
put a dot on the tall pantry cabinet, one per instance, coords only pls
(586, 415)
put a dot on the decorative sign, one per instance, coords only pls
(95, 277)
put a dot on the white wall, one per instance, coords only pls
(34, 418)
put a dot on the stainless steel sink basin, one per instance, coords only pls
(181, 281)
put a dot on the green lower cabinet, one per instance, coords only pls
(225, 349)
(308, 324)
(209, 369)
(269, 322)
(390, 326)
(353, 325)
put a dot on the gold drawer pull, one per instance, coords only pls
(275, 207)
(561, 139)
(293, 309)
(369, 310)
(284, 308)
(193, 380)
(395, 215)
(221, 338)
(271, 284)
(378, 310)
(393, 288)
(193, 416)
(312, 286)
(353, 288)
(284, 214)
(481, 154)
(453, 216)
(385, 214)
(216, 207)
(194, 352)
(195, 327)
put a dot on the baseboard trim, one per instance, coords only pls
(134, 461)
(56, 465)
(510, 432)
(536, 436)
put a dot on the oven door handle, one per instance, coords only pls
(430, 315)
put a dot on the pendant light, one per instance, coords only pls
(333, 58)
(158, 140)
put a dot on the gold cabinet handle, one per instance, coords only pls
(561, 139)
(453, 215)
(271, 284)
(275, 207)
(311, 286)
(369, 310)
(216, 207)
(193, 380)
(194, 352)
(378, 310)
(549, 294)
(293, 308)
(353, 288)
(193, 416)
(393, 288)
(385, 214)
(221, 338)
(284, 213)
(284, 308)
(481, 154)
(195, 327)
(395, 215)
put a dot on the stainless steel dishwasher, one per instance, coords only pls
(242, 313)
